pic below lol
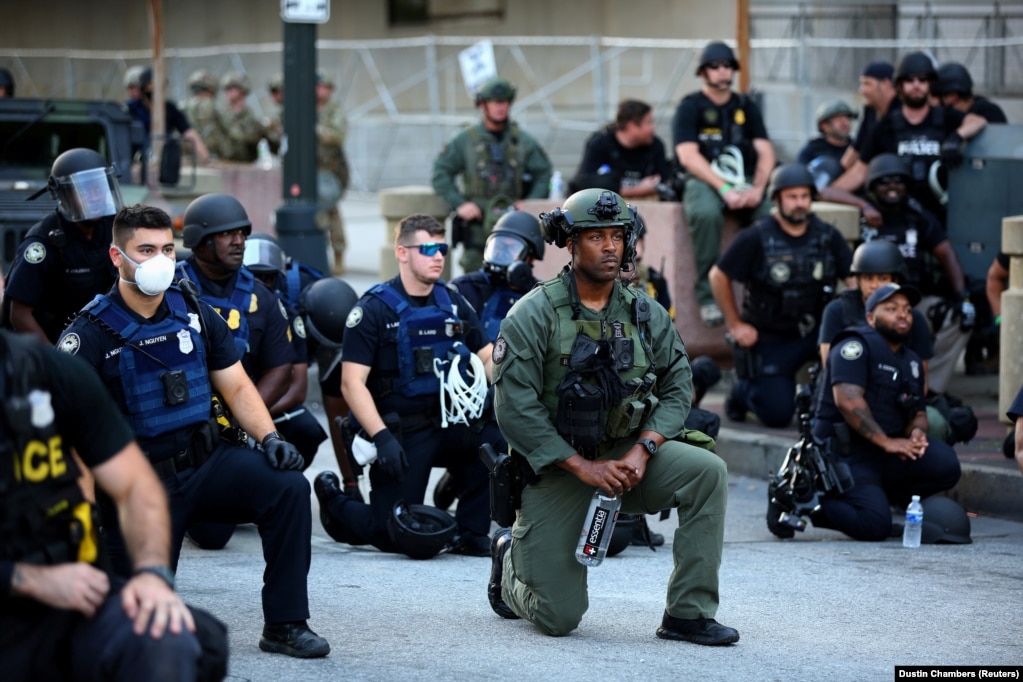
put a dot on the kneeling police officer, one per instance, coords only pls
(592, 387)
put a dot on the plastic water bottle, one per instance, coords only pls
(597, 528)
(914, 523)
(557, 187)
(264, 159)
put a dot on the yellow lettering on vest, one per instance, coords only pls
(35, 464)
(58, 465)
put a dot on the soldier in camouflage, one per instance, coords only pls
(240, 126)
(201, 109)
(331, 166)
(499, 164)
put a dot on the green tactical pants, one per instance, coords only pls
(543, 582)
(703, 207)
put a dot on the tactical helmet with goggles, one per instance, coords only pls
(84, 186)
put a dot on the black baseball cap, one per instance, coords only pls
(884, 292)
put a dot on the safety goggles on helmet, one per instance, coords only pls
(87, 194)
(429, 249)
(504, 249)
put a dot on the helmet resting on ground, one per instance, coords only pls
(420, 531)
(212, 214)
(945, 522)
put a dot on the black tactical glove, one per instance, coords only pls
(281, 453)
(966, 312)
(952, 151)
(390, 455)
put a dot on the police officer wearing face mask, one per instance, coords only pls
(507, 272)
(790, 264)
(62, 262)
(162, 354)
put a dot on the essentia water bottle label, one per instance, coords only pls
(598, 524)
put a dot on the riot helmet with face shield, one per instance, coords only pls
(512, 245)
(84, 186)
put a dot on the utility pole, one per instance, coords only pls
(296, 219)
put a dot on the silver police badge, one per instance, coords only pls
(851, 349)
(70, 344)
(500, 350)
(354, 317)
(35, 252)
(780, 272)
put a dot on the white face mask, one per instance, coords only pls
(153, 276)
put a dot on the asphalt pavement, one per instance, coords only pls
(817, 607)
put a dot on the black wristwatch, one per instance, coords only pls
(649, 444)
(273, 435)
(161, 572)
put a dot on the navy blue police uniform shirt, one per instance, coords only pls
(371, 339)
(100, 347)
(269, 342)
(59, 281)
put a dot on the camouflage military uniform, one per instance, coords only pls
(332, 176)
(202, 114)
(241, 131)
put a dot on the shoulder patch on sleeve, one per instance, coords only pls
(354, 317)
(851, 349)
(70, 344)
(35, 252)
(500, 350)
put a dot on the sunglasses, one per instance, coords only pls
(720, 64)
(429, 249)
(891, 180)
(917, 78)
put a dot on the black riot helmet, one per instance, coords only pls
(716, 51)
(7, 82)
(84, 185)
(878, 257)
(325, 304)
(885, 165)
(945, 522)
(953, 77)
(791, 175)
(514, 239)
(263, 254)
(913, 64)
(420, 531)
(212, 214)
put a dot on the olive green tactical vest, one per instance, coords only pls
(488, 177)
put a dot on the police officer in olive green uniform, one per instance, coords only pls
(499, 163)
(201, 109)
(592, 388)
(240, 127)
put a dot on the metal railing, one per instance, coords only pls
(405, 97)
